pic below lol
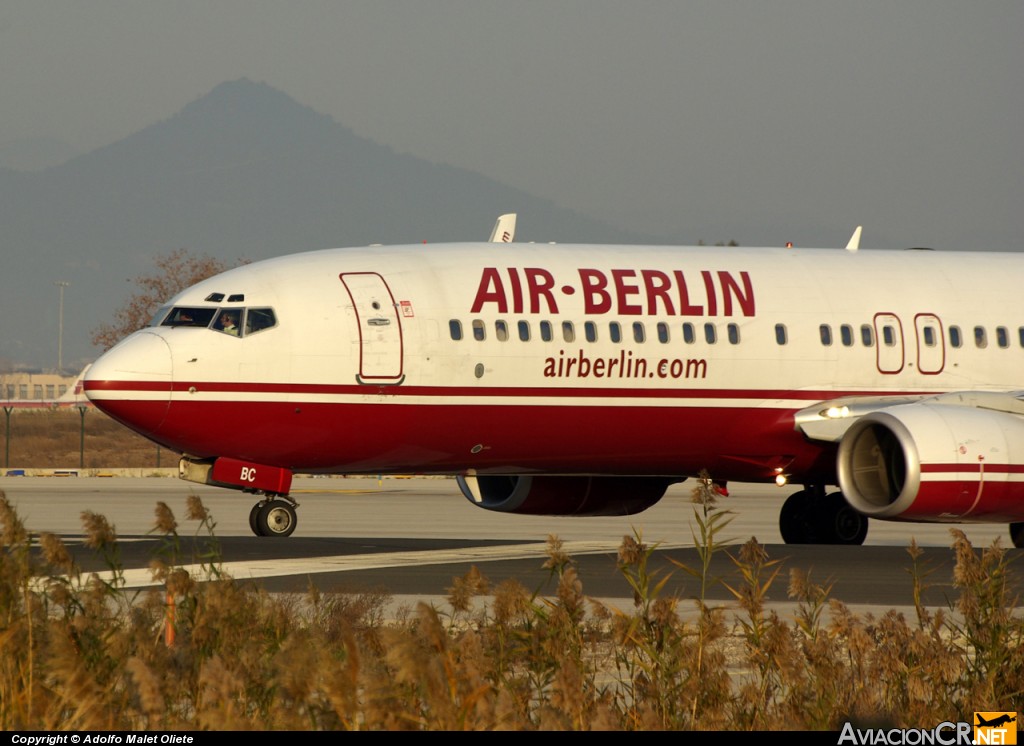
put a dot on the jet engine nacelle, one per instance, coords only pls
(575, 496)
(935, 462)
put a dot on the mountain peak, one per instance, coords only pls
(237, 122)
(244, 171)
(252, 105)
(242, 96)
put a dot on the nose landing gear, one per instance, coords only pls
(274, 516)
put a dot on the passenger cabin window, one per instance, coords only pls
(478, 330)
(980, 337)
(846, 335)
(501, 330)
(781, 334)
(545, 331)
(662, 332)
(639, 333)
(867, 335)
(955, 338)
(524, 331)
(1002, 337)
(590, 331)
(710, 334)
(455, 329)
(825, 332)
(615, 332)
(1020, 335)
(733, 331)
(568, 331)
(689, 333)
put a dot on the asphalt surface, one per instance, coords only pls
(411, 537)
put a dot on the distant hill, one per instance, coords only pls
(244, 172)
(35, 153)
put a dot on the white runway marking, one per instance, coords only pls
(269, 568)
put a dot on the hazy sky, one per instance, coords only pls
(759, 122)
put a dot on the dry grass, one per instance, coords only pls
(78, 653)
(52, 439)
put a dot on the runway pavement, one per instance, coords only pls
(410, 537)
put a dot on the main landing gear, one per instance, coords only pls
(273, 516)
(813, 517)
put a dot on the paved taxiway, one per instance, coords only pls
(411, 537)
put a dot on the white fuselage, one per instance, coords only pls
(565, 359)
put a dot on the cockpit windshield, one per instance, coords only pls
(227, 322)
(234, 321)
(181, 316)
(258, 319)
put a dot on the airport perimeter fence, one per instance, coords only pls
(68, 441)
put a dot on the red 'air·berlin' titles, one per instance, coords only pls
(625, 292)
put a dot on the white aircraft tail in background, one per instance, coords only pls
(854, 242)
(504, 229)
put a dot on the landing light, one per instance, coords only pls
(837, 412)
(781, 479)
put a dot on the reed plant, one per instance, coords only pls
(80, 651)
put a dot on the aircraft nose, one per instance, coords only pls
(132, 381)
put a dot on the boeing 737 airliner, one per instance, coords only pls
(584, 379)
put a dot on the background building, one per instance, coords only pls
(41, 389)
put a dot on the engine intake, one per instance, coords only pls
(935, 462)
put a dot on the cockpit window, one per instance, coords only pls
(160, 315)
(183, 316)
(258, 319)
(228, 321)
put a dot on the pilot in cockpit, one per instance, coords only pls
(228, 322)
